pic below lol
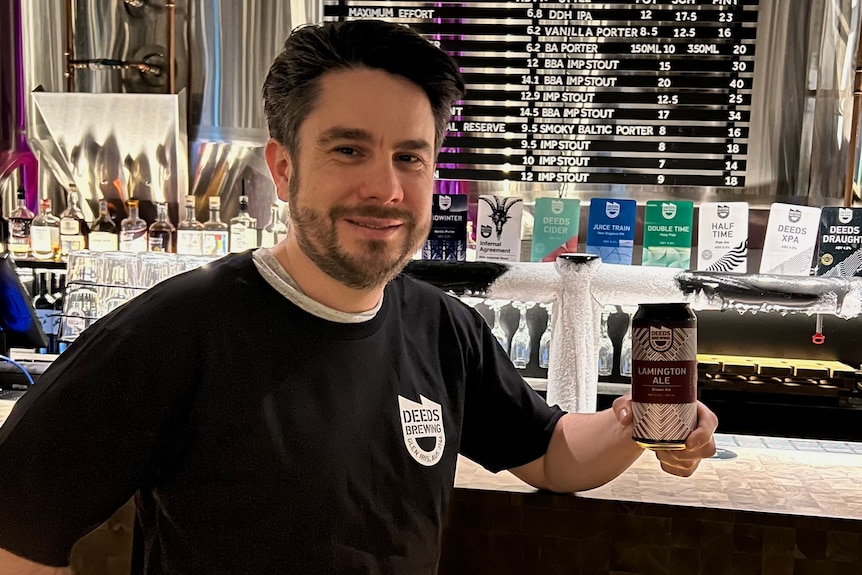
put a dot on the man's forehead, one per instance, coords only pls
(351, 103)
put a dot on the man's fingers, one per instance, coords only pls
(702, 435)
(680, 469)
(684, 462)
(623, 409)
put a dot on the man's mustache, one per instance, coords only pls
(371, 211)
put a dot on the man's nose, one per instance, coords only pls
(381, 183)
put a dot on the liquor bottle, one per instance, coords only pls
(59, 296)
(43, 303)
(4, 227)
(162, 231)
(104, 237)
(45, 233)
(215, 231)
(243, 228)
(19, 227)
(58, 288)
(275, 231)
(133, 231)
(73, 227)
(190, 231)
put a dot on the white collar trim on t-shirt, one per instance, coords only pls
(276, 276)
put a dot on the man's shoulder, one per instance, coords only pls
(409, 287)
(219, 286)
(419, 297)
(223, 276)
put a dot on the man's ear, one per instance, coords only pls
(280, 167)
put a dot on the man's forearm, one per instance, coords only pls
(587, 450)
(11, 564)
(594, 449)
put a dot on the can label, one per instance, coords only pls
(664, 382)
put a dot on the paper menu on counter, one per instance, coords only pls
(611, 229)
(667, 233)
(791, 236)
(722, 237)
(840, 242)
(499, 234)
(555, 228)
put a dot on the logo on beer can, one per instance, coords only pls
(660, 338)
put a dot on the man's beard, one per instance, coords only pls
(317, 236)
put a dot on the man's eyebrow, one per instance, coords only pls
(342, 133)
(417, 145)
(359, 135)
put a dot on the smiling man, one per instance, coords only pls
(359, 182)
(301, 409)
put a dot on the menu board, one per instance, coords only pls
(644, 92)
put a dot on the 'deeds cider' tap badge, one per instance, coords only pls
(555, 228)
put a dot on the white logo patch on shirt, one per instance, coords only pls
(422, 421)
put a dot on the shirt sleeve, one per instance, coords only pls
(506, 423)
(98, 425)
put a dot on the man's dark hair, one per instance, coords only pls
(292, 85)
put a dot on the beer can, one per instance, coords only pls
(664, 375)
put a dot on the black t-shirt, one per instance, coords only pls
(260, 438)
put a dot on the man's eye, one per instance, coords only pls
(346, 150)
(407, 158)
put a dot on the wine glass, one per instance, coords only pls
(520, 349)
(626, 348)
(155, 267)
(545, 340)
(498, 330)
(606, 346)
(119, 280)
(471, 301)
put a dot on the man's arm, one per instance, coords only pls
(11, 564)
(589, 449)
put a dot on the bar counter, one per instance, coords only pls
(781, 506)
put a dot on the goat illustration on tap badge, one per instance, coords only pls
(499, 237)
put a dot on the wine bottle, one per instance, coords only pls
(105, 236)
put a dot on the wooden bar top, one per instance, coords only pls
(768, 475)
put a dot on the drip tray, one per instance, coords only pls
(777, 375)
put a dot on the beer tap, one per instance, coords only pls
(818, 338)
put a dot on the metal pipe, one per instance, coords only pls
(172, 12)
(854, 123)
(70, 48)
(111, 64)
(15, 154)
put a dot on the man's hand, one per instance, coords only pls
(700, 443)
(13, 565)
